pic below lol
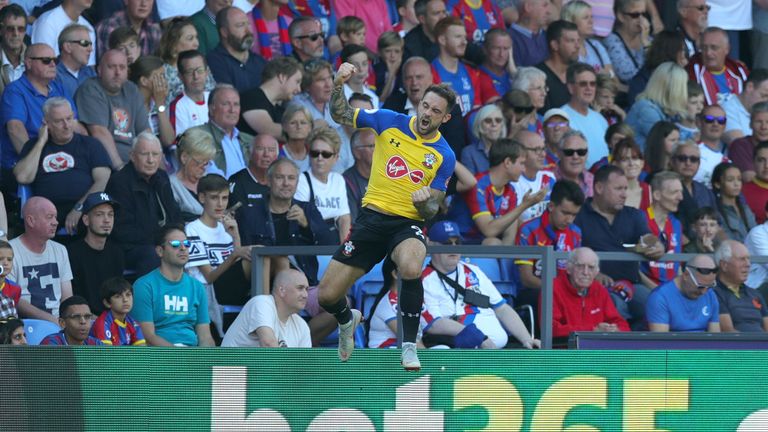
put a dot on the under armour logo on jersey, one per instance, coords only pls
(396, 168)
(394, 142)
(418, 232)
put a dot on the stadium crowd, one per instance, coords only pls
(158, 142)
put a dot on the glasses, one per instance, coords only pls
(312, 37)
(493, 120)
(711, 119)
(44, 60)
(314, 154)
(555, 125)
(700, 8)
(585, 84)
(571, 152)
(704, 271)
(85, 43)
(195, 71)
(81, 318)
(685, 158)
(536, 149)
(635, 15)
(177, 243)
(523, 110)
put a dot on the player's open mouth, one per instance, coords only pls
(425, 123)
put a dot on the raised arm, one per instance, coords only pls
(341, 111)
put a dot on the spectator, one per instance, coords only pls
(740, 107)
(358, 56)
(577, 290)
(146, 202)
(307, 38)
(534, 82)
(582, 85)
(231, 60)
(706, 231)
(171, 306)
(178, 37)
(692, 21)
(126, 40)
(189, 108)
(687, 123)
(23, 99)
(563, 43)
(13, 24)
(12, 332)
(40, 265)
(447, 67)
(554, 228)
(711, 122)
(667, 46)
(204, 21)
(713, 69)
(137, 16)
(271, 29)
(519, 112)
(627, 156)
(406, 17)
(556, 124)
(252, 182)
(10, 292)
(591, 51)
(738, 219)
(742, 309)
(529, 39)
(356, 177)
(499, 64)
(662, 139)
(147, 73)
(262, 110)
(487, 127)
(374, 14)
(742, 150)
(479, 19)
(75, 47)
(381, 327)
(114, 326)
(463, 307)
(75, 319)
(572, 161)
(316, 85)
(757, 245)
(533, 177)
(756, 191)
(417, 76)
(274, 320)
(387, 70)
(95, 258)
(626, 45)
(664, 99)
(608, 225)
(605, 102)
(112, 108)
(61, 165)
(759, 33)
(297, 124)
(195, 152)
(685, 162)
(667, 195)
(686, 303)
(321, 186)
(421, 41)
(49, 25)
(488, 212)
(232, 146)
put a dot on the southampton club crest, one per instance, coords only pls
(429, 160)
(348, 248)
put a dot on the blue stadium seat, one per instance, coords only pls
(489, 266)
(503, 280)
(37, 330)
(322, 264)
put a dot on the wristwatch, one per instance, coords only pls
(79, 207)
(161, 108)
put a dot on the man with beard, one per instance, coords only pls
(94, 258)
(412, 164)
(232, 62)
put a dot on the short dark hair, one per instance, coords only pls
(287, 66)
(350, 50)
(756, 76)
(445, 91)
(567, 190)
(705, 212)
(114, 286)
(605, 171)
(556, 29)
(69, 302)
(10, 326)
(420, 7)
(189, 55)
(12, 10)
(665, 47)
(5, 245)
(212, 183)
(162, 233)
(761, 146)
(496, 31)
(292, 28)
(575, 69)
(121, 35)
(143, 67)
(502, 149)
(362, 97)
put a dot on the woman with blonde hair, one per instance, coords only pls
(488, 127)
(664, 99)
(591, 52)
(195, 151)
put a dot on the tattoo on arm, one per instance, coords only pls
(428, 209)
(341, 111)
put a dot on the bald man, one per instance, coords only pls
(251, 183)
(534, 178)
(742, 309)
(40, 265)
(688, 302)
(273, 320)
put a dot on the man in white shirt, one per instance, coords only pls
(190, 107)
(582, 84)
(273, 320)
(711, 123)
(47, 28)
(533, 178)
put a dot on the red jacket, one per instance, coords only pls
(572, 312)
(736, 74)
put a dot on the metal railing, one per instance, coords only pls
(546, 254)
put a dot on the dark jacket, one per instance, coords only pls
(144, 206)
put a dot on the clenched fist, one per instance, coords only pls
(344, 73)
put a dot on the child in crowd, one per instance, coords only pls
(358, 83)
(126, 39)
(605, 100)
(351, 31)
(407, 19)
(114, 326)
(706, 230)
(687, 125)
(387, 69)
(9, 290)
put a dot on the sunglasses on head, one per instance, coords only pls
(177, 243)
(325, 154)
(571, 152)
(704, 271)
(85, 43)
(685, 158)
(312, 37)
(711, 119)
(44, 60)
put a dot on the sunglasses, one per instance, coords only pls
(585, 84)
(711, 119)
(312, 37)
(555, 125)
(636, 15)
(325, 154)
(493, 120)
(571, 152)
(523, 110)
(684, 159)
(45, 60)
(85, 43)
(177, 243)
(704, 271)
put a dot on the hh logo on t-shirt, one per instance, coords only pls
(176, 304)
(58, 162)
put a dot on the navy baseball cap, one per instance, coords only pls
(98, 198)
(441, 231)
